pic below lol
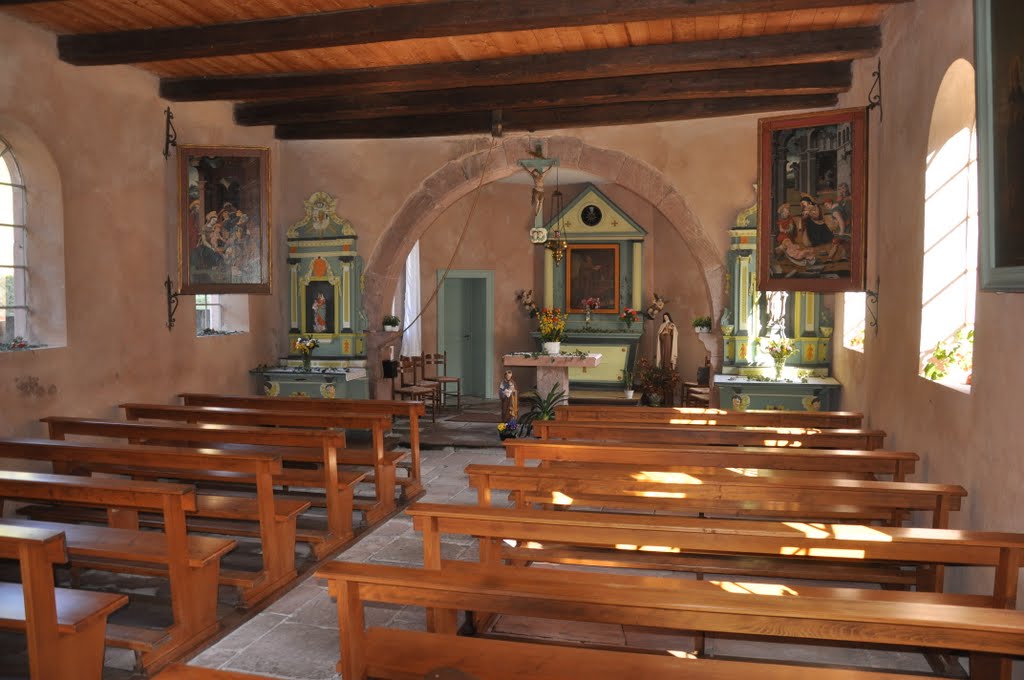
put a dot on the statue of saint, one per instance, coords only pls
(509, 395)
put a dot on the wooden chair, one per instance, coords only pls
(439, 364)
(422, 381)
(404, 387)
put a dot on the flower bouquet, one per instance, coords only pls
(780, 349)
(508, 430)
(305, 347)
(629, 315)
(551, 324)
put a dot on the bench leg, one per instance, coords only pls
(79, 655)
(990, 667)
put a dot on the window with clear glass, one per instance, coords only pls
(209, 314)
(13, 262)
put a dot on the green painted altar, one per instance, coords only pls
(603, 263)
(752, 317)
(325, 302)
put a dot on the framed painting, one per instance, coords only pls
(812, 215)
(999, 60)
(592, 274)
(224, 230)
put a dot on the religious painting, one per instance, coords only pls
(224, 231)
(592, 278)
(320, 304)
(812, 215)
(999, 57)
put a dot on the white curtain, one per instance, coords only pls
(412, 342)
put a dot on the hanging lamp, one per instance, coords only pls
(556, 242)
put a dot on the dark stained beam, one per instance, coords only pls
(801, 79)
(479, 122)
(772, 50)
(398, 22)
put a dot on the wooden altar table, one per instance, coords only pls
(552, 369)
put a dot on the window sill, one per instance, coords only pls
(7, 348)
(208, 333)
(960, 387)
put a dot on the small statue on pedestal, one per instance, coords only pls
(509, 395)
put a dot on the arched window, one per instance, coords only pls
(13, 262)
(949, 276)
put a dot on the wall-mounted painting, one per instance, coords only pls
(999, 58)
(812, 203)
(592, 278)
(224, 234)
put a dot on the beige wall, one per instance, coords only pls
(103, 129)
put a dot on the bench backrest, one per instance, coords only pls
(898, 464)
(693, 492)
(372, 406)
(193, 432)
(681, 415)
(95, 491)
(726, 435)
(164, 458)
(818, 542)
(15, 540)
(244, 416)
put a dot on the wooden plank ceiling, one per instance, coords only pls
(322, 69)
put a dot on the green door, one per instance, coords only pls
(465, 329)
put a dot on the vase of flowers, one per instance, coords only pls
(305, 347)
(551, 324)
(508, 430)
(780, 349)
(628, 316)
(589, 305)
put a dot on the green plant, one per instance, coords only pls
(702, 322)
(654, 379)
(954, 352)
(541, 408)
(627, 379)
(392, 320)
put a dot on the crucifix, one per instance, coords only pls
(538, 167)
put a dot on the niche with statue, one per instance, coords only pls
(325, 310)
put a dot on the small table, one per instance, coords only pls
(552, 369)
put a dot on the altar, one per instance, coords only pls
(552, 369)
(324, 382)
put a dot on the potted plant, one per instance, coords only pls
(702, 324)
(541, 408)
(551, 324)
(656, 382)
(627, 383)
(392, 322)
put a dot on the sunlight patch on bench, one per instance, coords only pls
(836, 553)
(776, 589)
(666, 477)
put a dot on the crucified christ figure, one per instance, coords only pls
(537, 195)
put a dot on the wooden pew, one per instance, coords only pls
(719, 435)
(274, 517)
(847, 615)
(413, 410)
(191, 563)
(709, 416)
(324, 449)
(822, 552)
(64, 628)
(384, 475)
(804, 498)
(897, 465)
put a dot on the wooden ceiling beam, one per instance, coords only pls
(791, 80)
(398, 22)
(771, 50)
(479, 122)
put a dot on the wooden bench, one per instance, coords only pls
(805, 498)
(384, 475)
(709, 416)
(191, 563)
(319, 448)
(897, 465)
(720, 435)
(412, 410)
(821, 552)
(275, 518)
(64, 628)
(847, 615)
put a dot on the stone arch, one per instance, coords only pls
(494, 160)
